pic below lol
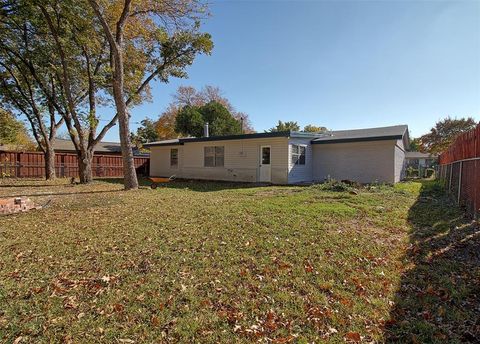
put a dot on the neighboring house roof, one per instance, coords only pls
(101, 147)
(337, 136)
(62, 145)
(396, 132)
(420, 155)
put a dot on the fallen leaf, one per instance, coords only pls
(353, 336)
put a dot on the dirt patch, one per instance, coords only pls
(16, 205)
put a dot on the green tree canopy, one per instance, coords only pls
(415, 145)
(314, 129)
(147, 132)
(284, 126)
(221, 121)
(13, 132)
(191, 120)
(444, 133)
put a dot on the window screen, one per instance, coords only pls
(174, 157)
(298, 155)
(213, 156)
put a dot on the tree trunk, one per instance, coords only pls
(85, 159)
(130, 180)
(130, 176)
(50, 163)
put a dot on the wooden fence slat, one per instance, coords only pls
(465, 181)
(32, 165)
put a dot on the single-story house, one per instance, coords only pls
(420, 160)
(287, 157)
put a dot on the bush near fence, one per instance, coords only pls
(460, 170)
(32, 165)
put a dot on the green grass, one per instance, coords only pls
(220, 262)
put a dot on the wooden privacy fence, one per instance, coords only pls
(460, 170)
(32, 165)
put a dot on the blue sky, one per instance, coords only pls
(339, 64)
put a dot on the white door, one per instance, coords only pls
(265, 167)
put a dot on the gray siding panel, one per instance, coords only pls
(300, 173)
(364, 162)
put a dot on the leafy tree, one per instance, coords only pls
(165, 125)
(56, 67)
(28, 86)
(145, 133)
(444, 133)
(221, 122)
(415, 145)
(13, 132)
(314, 129)
(187, 95)
(191, 120)
(285, 126)
(81, 61)
(147, 40)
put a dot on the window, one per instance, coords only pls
(265, 155)
(174, 157)
(298, 155)
(213, 156)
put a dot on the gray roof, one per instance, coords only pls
(101, 147)
(420, 155)
(369, 134)
(337, 136)
(62, 145)
(182, 140)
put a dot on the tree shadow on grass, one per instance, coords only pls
(190, 184)
(438, 299)
(60, 193)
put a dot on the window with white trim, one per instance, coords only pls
(213, 156)
(298, 154)
(174, 157)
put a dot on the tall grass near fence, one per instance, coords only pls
(460, 170)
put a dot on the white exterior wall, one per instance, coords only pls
(300, 173)
(400, 162)
(364, 162)
(241, 160)
(160, 161)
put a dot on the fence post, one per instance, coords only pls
(18, 166)
(450, 178)
(459, 182)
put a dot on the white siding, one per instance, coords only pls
(300, 173)
(241, 163)
(160, 161)
(364, 162)
(400, 163)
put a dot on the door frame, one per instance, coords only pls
(262, 165)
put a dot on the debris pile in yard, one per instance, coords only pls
(16, 205)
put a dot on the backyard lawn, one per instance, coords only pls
(218, 262)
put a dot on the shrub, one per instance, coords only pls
(429, 172)
(333, 185)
